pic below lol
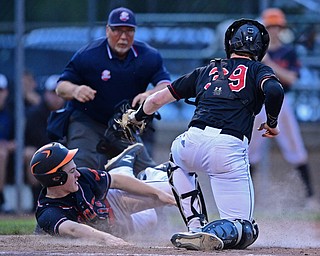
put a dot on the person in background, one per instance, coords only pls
(35, 130)
(30, 90)
(7, 144)
(100, 76)
(283, 59)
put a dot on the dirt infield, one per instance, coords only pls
(34, 245)
(278, 238)
(286, 228)
(31, 245)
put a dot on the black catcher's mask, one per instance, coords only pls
(246, 36)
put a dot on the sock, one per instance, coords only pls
(1, 198)
(304, 171)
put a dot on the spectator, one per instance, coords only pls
(32, 99)
(103, 74)
(282, 58)
(36, 124)
(7, 144)
(30, 87)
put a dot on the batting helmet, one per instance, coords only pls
(47, 162)
(247, 36)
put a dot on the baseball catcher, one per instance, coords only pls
(228, 94)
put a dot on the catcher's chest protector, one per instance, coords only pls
(218, 84)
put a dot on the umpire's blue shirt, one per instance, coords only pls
(114, 80)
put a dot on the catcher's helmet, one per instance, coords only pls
(247, 36)
(47, 162)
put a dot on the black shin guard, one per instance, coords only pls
(194, 195)
(238, 234)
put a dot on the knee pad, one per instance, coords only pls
(238, 234)
(194, 195)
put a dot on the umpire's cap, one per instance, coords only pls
(122, 17)
(47, 162)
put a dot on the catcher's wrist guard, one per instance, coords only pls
(140, 114)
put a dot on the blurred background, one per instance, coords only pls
(42, 35)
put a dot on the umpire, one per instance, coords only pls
(101, 75)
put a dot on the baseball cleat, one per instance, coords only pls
(163, 167)
(199, 241)
(158, 172)
(126, 158)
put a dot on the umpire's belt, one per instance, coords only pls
(233, 133)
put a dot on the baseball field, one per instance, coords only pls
(291, 236)
(286, 226)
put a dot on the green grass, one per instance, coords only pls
(24, 225)
(16, 225)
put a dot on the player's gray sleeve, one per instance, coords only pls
(274, 95)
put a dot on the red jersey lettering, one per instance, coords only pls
(238, 78)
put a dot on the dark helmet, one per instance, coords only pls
(247, 36)
(47, 162)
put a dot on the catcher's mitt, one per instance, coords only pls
(130, 125)
(115, 139)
